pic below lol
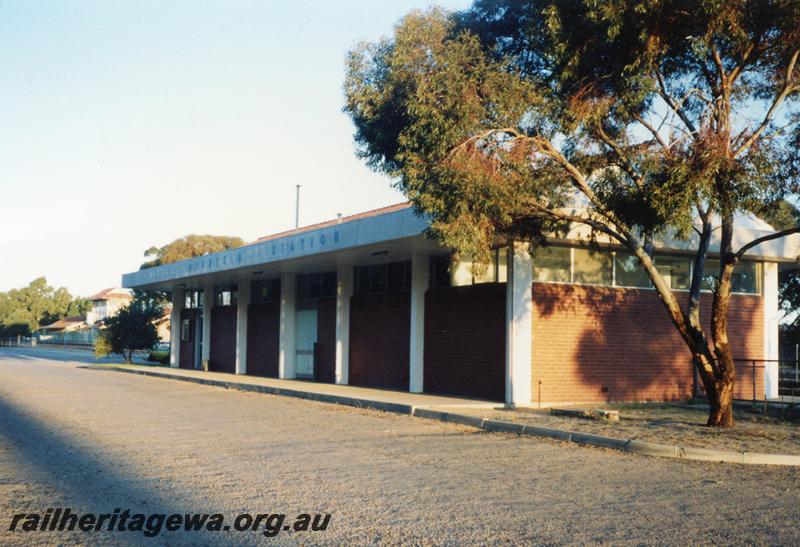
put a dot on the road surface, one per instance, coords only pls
(96, 441)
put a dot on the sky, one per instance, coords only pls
(125, 125)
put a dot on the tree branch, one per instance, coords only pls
(769, 237)
(677, 108)
(785, 91)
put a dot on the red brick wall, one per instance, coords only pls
(222, 355)
(465, 345)
(611, 344)
(263, 339)
(325, 358)
(379, 340)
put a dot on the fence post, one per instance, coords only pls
(754, 382)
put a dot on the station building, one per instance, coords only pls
(368, 300)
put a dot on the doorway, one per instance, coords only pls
(306, 340)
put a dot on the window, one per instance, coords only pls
(745, 277)
(629, 272)
(185, 330)
(381, 278)
(268, 290)
(552, 265)
(591, 267)
(446, 273)
(440, 274)
(316, 285)
(226, 295)
(677, 271)
(193, 299)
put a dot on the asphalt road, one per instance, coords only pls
(95, 441)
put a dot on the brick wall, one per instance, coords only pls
(379, 340)
(611, 344)
(263, 339)
(325, 358)
(465, 341)
(222, 355)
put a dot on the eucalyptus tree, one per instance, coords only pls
(630, 118)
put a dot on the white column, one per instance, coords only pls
(175, 328)
(241, 327)
(208, 304)
(287, 351)
(344, 290)
(419, 285)
(519, 322)
(771, 329)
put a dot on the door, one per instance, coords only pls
(198, 337)
(306, 340)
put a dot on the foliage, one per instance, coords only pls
(632, 119)
(783, 215)
(25, 310)
(189, 247)
(131, 329)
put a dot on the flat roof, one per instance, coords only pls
(388, 233)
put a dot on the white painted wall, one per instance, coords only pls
(287, 346)
(420, 266)
(771, 329)
(344, 291)
(241, 327)
(519, 322)
(208, 304)
(175, 328)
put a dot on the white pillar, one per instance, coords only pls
(419, 285)
(241, 327)
(287, 350)
(208, 304)
(519, 322)
(175, 328)
(771, 328)
(344, 290)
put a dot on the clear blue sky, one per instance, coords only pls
(129, 124)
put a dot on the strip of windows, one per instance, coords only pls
(622, 269)
(193, 299)
(445, 273)
(382, 278)
(265, 291)
(226, 295)
(316, 285)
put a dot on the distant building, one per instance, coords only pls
(68, 324)
(107, 303)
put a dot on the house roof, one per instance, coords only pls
(112, 293)
(64, 323)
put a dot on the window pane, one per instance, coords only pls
(377, 278)
(440, 276)
(461, 274)
(396, 276)
(329, 284)
(502, 265)
(490, 275)
(710, 275)
(592, 268)
(745, 278)
(552, 265)
(630, 272)
(362, 279)
(676, 271)
(185, 324)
